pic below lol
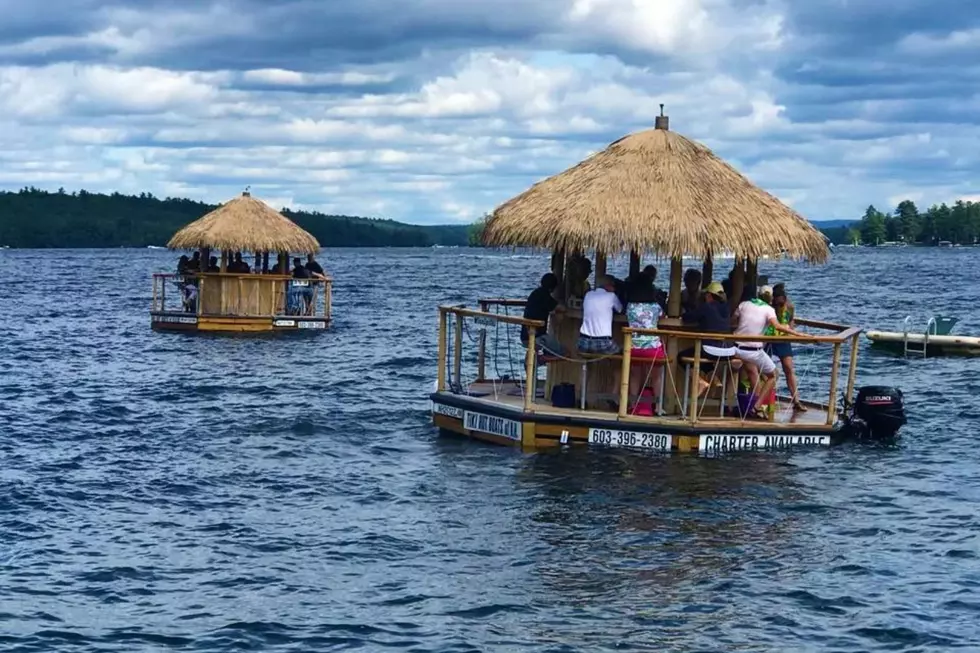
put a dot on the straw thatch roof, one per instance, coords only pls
(248, 225)
(654, 191)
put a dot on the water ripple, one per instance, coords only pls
(216, 494)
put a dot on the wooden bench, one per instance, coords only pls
(731, 362)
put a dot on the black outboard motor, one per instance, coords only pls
(877, 413)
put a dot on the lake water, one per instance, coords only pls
(164, 492)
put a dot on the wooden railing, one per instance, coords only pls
(842, 336)
(460, 312)
(243, 295)
(839, 337)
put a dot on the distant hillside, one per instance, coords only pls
(36, 218)
(833, 224)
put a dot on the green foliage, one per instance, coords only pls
(873, 227)
(475, 234)
(36, 218)
(958, 224)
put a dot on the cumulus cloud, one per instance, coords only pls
(438, 110)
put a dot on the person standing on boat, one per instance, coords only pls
(312, 265)
(783, 351)
(541, 303)
(598, 308)
(643, 311)
(753, 317)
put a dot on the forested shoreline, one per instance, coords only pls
(34, 218)
(957, 224)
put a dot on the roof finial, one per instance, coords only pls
(245, 193)
(662, 121)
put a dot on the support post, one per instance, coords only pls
(738, 285)
(695, 374)
(441, 377)
(481, 354)
(834, 372)
(154, 305)
(624, 381)
(600, 264)
(224, 261)
(530, 371)
(674, 298)
(707, 270)
(752, 275)
(458, 350)
(852, 370)
(634, 263)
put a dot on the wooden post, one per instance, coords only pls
(674, 298)
(707, 270)
(695, 374)
(624, 382)
(600, 265)
(154, 305)
(241, 290)
(224, 261)
(265, 262)
(852, 369)
(834, 371)
(752, 275)
(327, 299)
(163, 299)
(738, 285)
(481, 354)
(441, 377)
(531, 372)
(458, 350)
(634, 263)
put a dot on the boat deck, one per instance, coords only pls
(510, 395)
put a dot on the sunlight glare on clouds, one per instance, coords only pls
(440, 111)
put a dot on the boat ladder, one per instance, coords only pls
(914, 347)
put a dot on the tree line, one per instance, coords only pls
(959, 223)
(36, 218)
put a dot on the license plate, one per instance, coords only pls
(630, 439)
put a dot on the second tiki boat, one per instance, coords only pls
(653, 192)
(227, 294)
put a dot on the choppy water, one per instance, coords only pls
(164, 492)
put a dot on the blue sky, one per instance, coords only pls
(436, 111)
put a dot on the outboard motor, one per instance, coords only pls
(878, 413)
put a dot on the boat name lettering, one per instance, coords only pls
(448, 411)
(631, 439)
(721, 443)
(505, 428)
(173, 319)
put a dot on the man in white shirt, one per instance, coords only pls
(598, 307)
(754, 318)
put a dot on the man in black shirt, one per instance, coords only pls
(312, 265)
(540, 304)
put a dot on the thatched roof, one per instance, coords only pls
(248, 225)
(654, 191)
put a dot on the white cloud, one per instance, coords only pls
(503, 94)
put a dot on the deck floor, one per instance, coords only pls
(510, 394)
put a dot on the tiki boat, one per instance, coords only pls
(227, 299)
(659, 194)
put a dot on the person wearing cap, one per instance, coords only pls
(710, 316)
(783, 351)
(753, 317)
